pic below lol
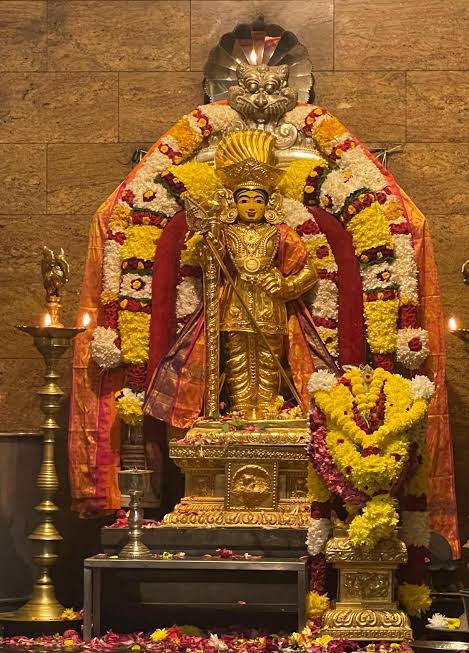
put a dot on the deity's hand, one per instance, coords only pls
(273, 282)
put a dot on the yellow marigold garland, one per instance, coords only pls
(377, 521)
(135, 330)
(199, 179)
(381, 324)
(317, 489)
(292, 183)
(369, 228)
(187, 139)
(316, 604)
(140, 242)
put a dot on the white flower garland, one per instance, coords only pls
(188, 297)
(318, 534)
(406, 356)
(325, 300)
(294, 212)
(422, 387)
(379, 275)
(103, 348)
(405, 268)
(111, 267)
(354, 170)
(128, 283)
(321, 380)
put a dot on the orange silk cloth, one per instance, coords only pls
(441, 491)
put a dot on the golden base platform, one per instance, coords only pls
(365, 609)
(242, 474)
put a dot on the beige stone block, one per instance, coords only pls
(19, 381)
(438, 106)
(109, 35)
(23, 43)
(435, 175)
(401, 35)
(370, 104)
(150, 103)
(22, 292)
(23, 175)
(58, 107)
(312, 22)
(79, 178)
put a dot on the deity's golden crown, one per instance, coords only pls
(245, 159)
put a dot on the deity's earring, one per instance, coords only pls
(273, 213)
(228, 210)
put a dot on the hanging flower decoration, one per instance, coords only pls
(349, 184)
(143, 209)
(367, 444)
(324, 303)
(339, 177)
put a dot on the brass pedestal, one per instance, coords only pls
(239, 476)
(365, 609)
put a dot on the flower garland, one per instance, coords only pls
(324, 305)
(144, 207)
(367, 443)
(340, 178)
(346, 182)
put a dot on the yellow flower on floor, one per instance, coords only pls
(316, 604)
(69, 643)
(159, 635)
(135, 647)
(323, 640)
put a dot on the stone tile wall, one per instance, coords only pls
(83, 82)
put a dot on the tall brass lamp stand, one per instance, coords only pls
(52, 342)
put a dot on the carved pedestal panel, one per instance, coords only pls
(365, 608)
(238, 476)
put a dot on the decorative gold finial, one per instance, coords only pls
(55, 274)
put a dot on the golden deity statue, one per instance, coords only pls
(254, 337)
(253, 312)
(255, 267)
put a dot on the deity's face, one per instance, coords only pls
(251, 205)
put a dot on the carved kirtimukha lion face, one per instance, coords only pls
(262, 93)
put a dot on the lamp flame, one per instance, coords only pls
(45, 320)
(86, 320)
(452, 324)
